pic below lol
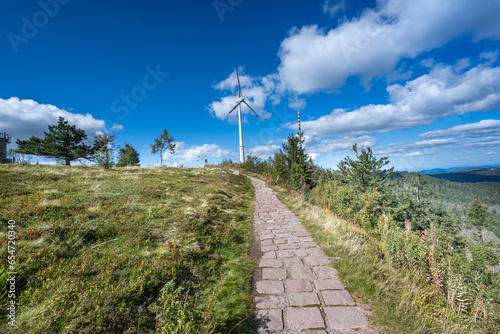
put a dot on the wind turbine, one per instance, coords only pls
(239, 101)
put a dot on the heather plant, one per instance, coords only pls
(105, 251)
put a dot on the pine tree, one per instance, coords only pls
(299, 164)
(63, 141)
(104, 153)
(477, 214)
(365, 173)
(162, 143)
(127, 156)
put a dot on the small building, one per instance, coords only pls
(4, 140)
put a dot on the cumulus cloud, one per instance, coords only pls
(441, 93)
(256, 92)
(186, 155)
(264, 151)
(371, 46)
(482, 128)
(344, 143)
(26, 118)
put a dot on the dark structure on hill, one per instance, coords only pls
(4, 140)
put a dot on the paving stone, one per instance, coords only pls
(283, 235)
(270, 301)
(309, 244)
(302, 234)
(293, 262)
(317, 261)
(301, 273)
(304, 318)
(266, 243)
(269, 320)
(269, 255)
(273, 273)
(368, 331)
(270, 287)
(313, 332)
(300, 252)
(303, 299)
(284, 253)
(288, 246)
(315, 251)
(337, 298)
(268, 248)
(267, 236)
(279, 241)
(264, 232)
(344, 318)
(270, 221)
(325, 272)
(304, 239)
(271, 263)
(298, 285)
(280, 230)
(328, 284)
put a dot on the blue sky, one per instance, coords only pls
(418, 81)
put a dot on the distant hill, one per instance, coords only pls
(470, 175)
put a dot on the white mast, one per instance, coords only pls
(239, 101)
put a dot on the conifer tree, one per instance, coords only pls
(62, 141)
(127, 156)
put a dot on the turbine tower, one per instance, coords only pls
(239, 101)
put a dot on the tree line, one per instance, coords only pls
(66, 142)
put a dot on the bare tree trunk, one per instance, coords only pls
(68, 162)
(407, 224)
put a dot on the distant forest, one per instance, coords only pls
(457, 196)
(471, 175)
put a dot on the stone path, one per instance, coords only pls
(297, 290)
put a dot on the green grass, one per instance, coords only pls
(128, 250)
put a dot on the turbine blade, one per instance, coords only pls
(234, 108)
(239, 86)
(251, 108)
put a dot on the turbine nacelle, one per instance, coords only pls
(239, 100)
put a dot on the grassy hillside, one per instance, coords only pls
(132, 250)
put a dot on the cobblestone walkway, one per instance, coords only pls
(297, 291)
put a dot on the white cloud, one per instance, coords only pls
(492, 153)
(412, 154)
(371, 46)
(25, 118)
(185, 155)
(441, 93)
(264, 151)
(314, 155)
(116, 127)
(255, 91)
(333, 7)
(344, 143)
(404, 148)
(481, 143)
(482, 128)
